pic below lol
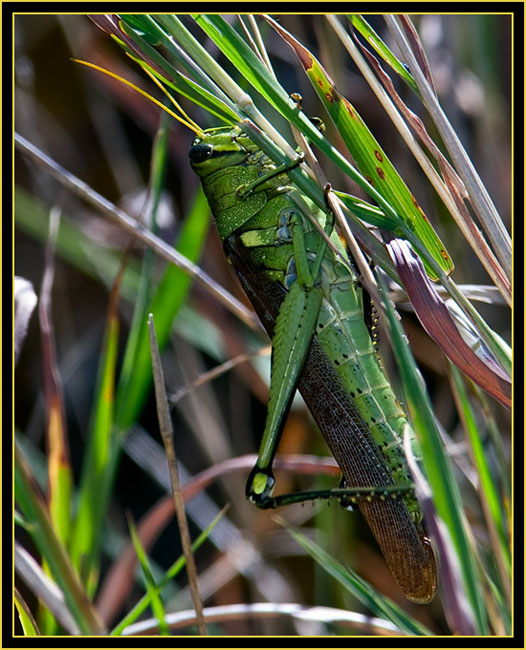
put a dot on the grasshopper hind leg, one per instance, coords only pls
(345, 502)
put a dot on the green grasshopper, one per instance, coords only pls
(312, 306)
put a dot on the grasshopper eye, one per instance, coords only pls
(200, 152)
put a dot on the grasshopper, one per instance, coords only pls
(313, 307)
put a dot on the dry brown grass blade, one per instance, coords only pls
(165, 426)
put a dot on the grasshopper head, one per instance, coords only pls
(217, 149)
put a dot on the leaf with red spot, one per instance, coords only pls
(372, 161)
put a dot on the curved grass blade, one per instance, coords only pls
(439, 324)
(355, 623)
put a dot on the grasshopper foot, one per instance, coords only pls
(259, 487)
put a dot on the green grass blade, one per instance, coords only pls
(488, 489)
(60, 475)
(241, 56)
(172, 572)
(152, 590)
(52, 550)
(501, 457)
(383, 50)
(129, 372)
(96, 479)
(380, 605)
(169, 297)
(437, 466)
(27, 621)
(201, 94)
(365, 211)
